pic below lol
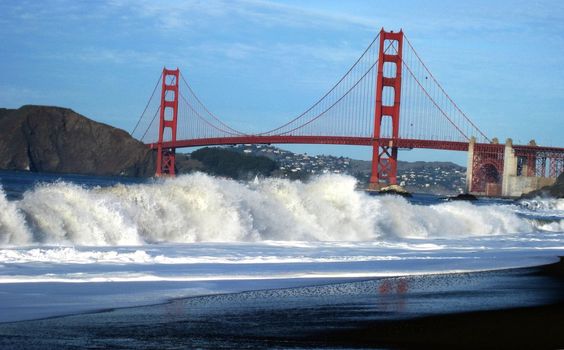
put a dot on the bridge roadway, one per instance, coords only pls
(322, 140)
(340, 140)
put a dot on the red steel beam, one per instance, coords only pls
(320, 140)
(528, 148)
(345, 140)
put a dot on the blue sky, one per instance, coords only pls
(259, 63)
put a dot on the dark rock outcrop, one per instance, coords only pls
(390, 190)
(555, 191)
(54, 139)
(463, 197)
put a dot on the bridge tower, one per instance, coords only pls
(168, 122)
(384, 157)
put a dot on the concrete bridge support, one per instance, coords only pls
(469, 164)
(517, 170)
(509, 168)
(520, 181)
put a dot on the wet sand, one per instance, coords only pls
(537, 327)
(519, 308)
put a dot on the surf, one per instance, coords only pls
(202, 208)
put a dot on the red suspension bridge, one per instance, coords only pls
(389, 80)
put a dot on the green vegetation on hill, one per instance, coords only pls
(223, 162)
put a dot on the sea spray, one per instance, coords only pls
(537, 204)
(202, 208)
(13, 230)
(61, 213)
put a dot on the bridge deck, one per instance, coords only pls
(326, 140)
(343, 140)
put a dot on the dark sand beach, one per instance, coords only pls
(535, 327)
(517, 308)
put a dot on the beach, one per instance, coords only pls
(513, 308)
(533, 327)
(90, 263)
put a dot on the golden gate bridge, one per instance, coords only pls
(388, 100)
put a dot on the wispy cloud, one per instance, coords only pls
(183, 14)
(280, 51)
(269, 12)
(175, 15)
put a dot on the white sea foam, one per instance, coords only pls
(543, 204)
(141, 277)
(277, 233)
(201, 208)
(13, 230)
(556, 226)
(543, 207)
(70, 255)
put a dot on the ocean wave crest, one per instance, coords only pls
(202, 208)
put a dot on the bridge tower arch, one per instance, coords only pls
(385, 156)
(487, 169)
(168, 122)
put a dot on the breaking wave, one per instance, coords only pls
(543, 204)
(201, 208)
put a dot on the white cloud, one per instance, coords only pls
(177, 15)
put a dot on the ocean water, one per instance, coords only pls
(71, 244)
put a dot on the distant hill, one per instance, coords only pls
(54, 139)
(224, 162)
(422, 177)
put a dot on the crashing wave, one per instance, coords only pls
(202, 208)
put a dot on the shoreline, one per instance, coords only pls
(318, 316)
(300, 282)
(534, 327)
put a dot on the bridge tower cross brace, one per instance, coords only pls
(168, 120)
(384, 157)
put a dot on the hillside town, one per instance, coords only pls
(422, 177)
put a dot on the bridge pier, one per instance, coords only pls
(526, 169)
(385, 156)
(469, 162)
(509, 167)
(168, 122)
(510, 171)
(430, 120)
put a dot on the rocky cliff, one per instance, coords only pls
(555, 191)
(54, 139)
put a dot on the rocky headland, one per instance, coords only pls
(54, 139)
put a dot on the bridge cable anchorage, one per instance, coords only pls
(443, 90)
(327, 93)
(208, 111)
